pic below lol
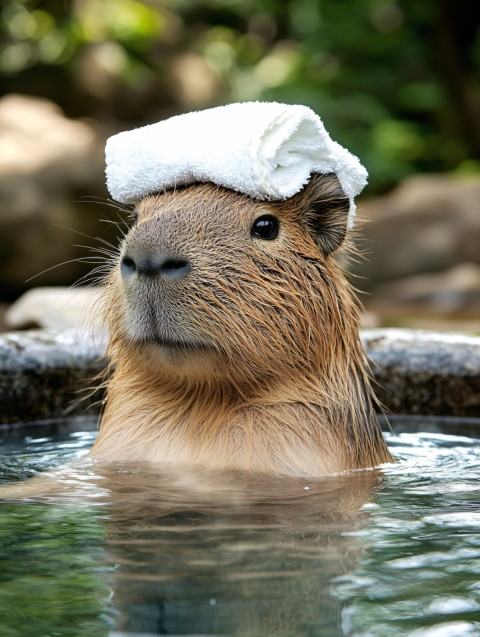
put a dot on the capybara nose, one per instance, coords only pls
(152, 266)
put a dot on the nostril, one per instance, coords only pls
(174, 264)
(127, 266)
(151, 266)
(175, 267)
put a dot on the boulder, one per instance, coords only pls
(37, 137)
(421, 373)
(450, 291)
(48, 374)
(47, 163)
(427, 224)
(431, 379)
(57, 308)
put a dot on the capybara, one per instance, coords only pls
(234, 337)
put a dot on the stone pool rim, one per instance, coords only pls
(419, 376)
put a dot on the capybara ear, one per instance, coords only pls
(324, 208)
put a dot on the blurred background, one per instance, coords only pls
(396, 82)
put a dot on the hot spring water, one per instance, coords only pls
(383, 553)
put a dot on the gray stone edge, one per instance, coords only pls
(425, 373)
(45, 373)
(49, 374)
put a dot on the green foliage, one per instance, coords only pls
(394, 81)
(50, 572)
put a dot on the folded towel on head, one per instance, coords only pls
(262, 149)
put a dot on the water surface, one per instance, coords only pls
(134, 550)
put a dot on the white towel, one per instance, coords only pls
(263, 149)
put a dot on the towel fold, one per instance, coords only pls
(263, 149)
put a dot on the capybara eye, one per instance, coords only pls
(265, 227)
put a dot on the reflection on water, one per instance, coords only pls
(421, 573)
(131, 550)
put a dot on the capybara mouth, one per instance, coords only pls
(178, 345)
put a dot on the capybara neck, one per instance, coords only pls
(235, 337)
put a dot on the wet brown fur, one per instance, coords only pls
(268, 373)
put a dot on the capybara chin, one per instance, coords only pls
(234, 337)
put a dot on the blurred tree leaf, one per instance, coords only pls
(396, 82)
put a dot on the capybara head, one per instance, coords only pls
(234, 336)
(212, 283)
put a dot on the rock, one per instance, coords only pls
(416, 373)
(45, 373)
(449, 291)
(37, 137)
(427, 224)
(426, 373)
(47, 162)
(57, 308)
